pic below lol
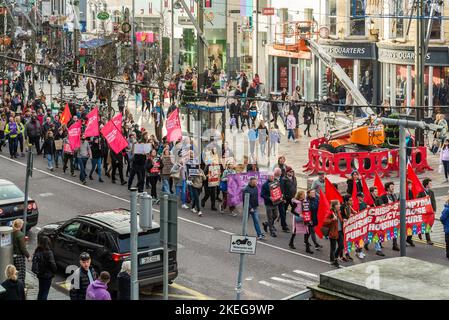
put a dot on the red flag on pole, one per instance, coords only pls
(417, 186)
(114, 137)
(368, 198)
(355, 201)
(173, 126)
(92, 129)
(323, 212)
(66, 115)
(332, 192)
(379, 185)
(74, 135)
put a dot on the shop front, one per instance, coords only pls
(398, 75)
(291, 69)
(359, 60)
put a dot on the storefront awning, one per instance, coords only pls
(94, 43)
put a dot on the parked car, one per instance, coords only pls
(105, 236)
(11, 205)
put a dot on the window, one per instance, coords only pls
(88, 233)
(94, 17)
(333, 17)
(357, 18)
(398, 23)
(10, 191)
(72, 229)
(435, 33)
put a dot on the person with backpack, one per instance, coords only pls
(11, 133)
(82, 278)
(44, 266)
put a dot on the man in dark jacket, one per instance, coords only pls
(427, 184)
(95, 149)
(354, 176)
(251, 188)
(374, 194)
(271, 205)
(313, 206)
(82, 278)
(34, 131)
(288, 187)
(388, 198)
(117, 164)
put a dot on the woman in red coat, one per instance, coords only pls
(334, 222)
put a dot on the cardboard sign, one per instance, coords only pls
(142, 148)
(58, 145)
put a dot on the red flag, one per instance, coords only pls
(417, 186)
(332, 192)
(173, 126)
(114, 137)
(323, 212)
(355, 201)
(379, 185)
(74, 134)
(66, 115)
(92, 129)
(368, 198)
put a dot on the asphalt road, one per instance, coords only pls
(206, 268)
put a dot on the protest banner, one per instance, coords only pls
(237, 182)
(382, 223)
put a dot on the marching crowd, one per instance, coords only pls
(178, 167)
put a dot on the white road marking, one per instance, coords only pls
(277, 287)
(45, 195)
(249, 278)
(307, 274)
(306, 282)
(293, 283)
(180, 218)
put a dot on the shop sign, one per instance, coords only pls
(268, 11)
(351, 50)
(103, 15)
(436, 56)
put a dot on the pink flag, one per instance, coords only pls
(114, 137)
(117, 120)
(173, 126)
(75, 135)
(92, 124)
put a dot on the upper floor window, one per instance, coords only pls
(397, 28)
(435, 32)
(357, 18)
(332, 17)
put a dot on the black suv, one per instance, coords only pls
(105, 236)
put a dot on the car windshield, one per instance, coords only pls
(10, 191)
(147, 240)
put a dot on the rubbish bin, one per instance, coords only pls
(6, 250)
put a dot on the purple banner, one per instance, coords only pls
(238, 182)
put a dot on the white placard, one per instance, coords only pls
(142, 148)
(243, 244)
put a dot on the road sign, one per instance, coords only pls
(243, 244)
(268, 11)
(103, 15)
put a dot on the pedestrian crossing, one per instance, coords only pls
(292, 282)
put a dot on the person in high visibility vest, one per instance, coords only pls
(20, 134)
(11, 132)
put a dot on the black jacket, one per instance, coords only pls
(350, 183)
(47, 264)
(313, 205)
(288, 187)
(253, 196)
(124, 286)
(385, 197)
(95, 148)
(49, 146)
(80, 292)
(14, 290)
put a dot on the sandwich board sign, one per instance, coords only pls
(243, 244)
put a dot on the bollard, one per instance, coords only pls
(6, 250)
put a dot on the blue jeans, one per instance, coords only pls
(195, 196)
(82, 165)
(96, 163)
(291, 134)
(165, 185)
(181, 192)
(377, 246)
(58, 156)
(49, 161)
(255, 216)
